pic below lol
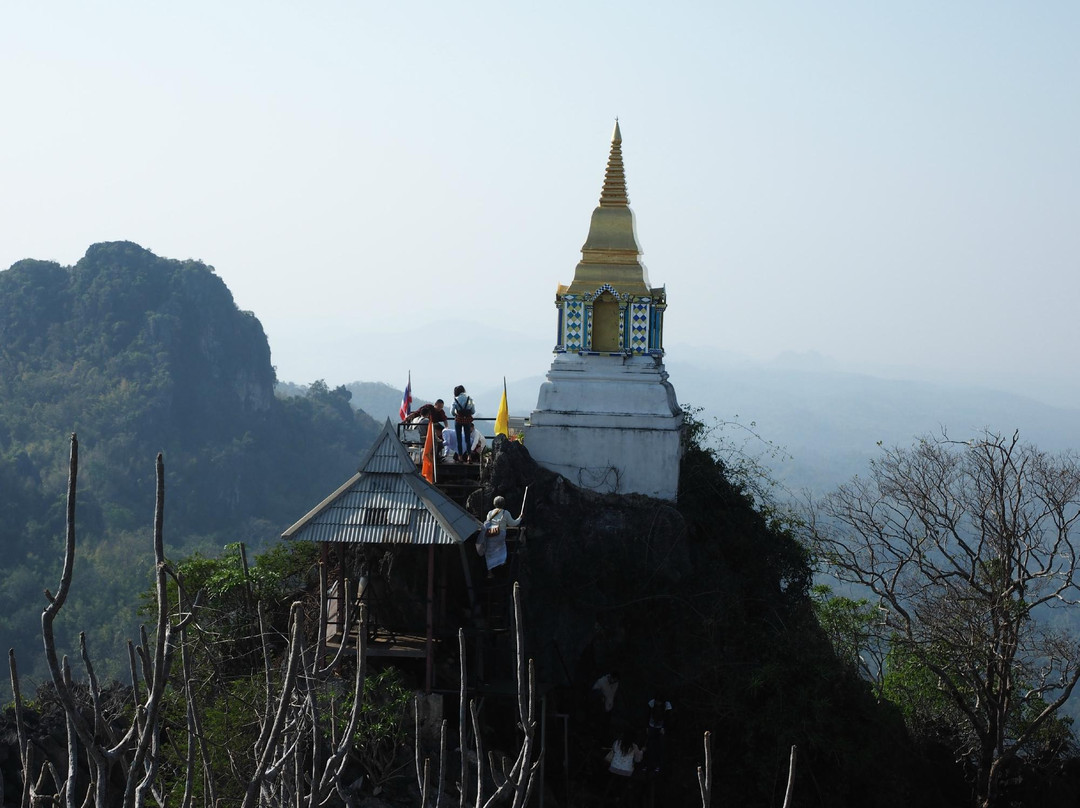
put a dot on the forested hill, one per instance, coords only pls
(140, 354)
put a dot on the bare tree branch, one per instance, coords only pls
(968, 545)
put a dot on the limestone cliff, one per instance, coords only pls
(707, 603)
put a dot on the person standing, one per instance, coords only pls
(607, 686)
(462, 411)
(493, 536)
(624, 756)
(602, 701)
(656, 738)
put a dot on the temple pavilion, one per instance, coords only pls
(417, 598)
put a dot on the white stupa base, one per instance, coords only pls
(610, 424)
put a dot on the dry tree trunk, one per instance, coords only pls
(26, 757)
(704, 774)
(138, 748)
(790, 777)
(196, 738)
(521, 777)
(273, 730)
(295, 725)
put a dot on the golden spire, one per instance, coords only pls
(610, 253)
(614, 193)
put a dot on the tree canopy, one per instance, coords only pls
(141, 354)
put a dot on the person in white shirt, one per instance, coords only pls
(607, 685)
(492, 540)
(625, 754)
(478, 444)
(450, 446)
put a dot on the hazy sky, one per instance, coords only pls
(891, 185)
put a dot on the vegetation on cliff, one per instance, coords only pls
(140, 354)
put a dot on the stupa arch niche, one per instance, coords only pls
(607, 325)
(607, 417)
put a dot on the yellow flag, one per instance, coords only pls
(502, 420)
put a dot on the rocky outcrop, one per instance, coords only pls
(707, 603)
(591, 564)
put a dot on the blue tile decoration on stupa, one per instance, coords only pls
(639, 327)
(575, 325)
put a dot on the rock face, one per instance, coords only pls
(588, 563)
(169, 328)
(625, 583)
(706, 603)
(140, 354)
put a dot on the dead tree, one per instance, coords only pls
(704, 774)
(293, 765)
(520, 778)
(94, 739)
(969, 546)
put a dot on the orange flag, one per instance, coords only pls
(428, 468)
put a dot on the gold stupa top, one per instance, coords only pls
(614, 192)
(611, 253)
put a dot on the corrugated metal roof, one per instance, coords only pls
(388, 456)
(386, 502)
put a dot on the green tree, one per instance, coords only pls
(853, 626)
(140, 354)
(243, 615)
(381, 735)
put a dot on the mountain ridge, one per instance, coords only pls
(138, 355)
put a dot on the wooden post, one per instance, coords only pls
(440, 613)
(247, 577)
(342, 605)
(430, 653)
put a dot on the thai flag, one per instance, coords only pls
(406, 400)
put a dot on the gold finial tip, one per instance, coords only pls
(614, 191)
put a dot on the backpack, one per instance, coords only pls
(464, 415)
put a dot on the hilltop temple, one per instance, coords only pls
(607, 418)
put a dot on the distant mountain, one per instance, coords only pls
(377, 399)
(829, 423)
(814, 426)
(139, 355)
